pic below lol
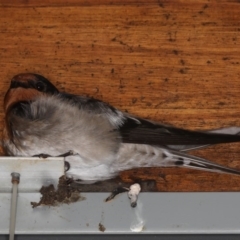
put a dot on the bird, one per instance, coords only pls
(102, 140)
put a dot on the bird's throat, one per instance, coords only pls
(16, 95)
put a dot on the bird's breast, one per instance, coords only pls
(54, 126)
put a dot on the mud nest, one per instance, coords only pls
(63, 194)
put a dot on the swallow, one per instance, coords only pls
(102, 140)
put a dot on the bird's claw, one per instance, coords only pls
(42, 155)
(66, 164)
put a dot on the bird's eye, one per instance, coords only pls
(40, 86)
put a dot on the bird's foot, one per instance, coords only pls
(66, 164)
(42, 155)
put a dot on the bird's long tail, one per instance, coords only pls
(181, 159)
(139, 155)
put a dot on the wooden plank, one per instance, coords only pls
(60, 3)
(170, 61)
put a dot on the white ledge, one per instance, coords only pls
(161, 213)
(35, 172)
(156, 213)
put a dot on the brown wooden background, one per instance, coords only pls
(172, 61)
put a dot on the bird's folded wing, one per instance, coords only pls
(141, 131)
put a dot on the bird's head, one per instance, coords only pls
(26, 87)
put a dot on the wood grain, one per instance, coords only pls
(172, 61)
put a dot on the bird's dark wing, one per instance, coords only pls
(141, 131)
